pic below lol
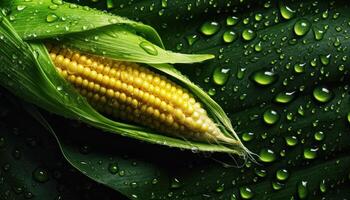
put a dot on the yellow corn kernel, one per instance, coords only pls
(132, 92)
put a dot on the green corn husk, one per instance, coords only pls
(27, 70)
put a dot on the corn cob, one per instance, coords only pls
(131, 92)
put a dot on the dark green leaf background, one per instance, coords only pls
(308, 141)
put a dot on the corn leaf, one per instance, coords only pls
(57, 19)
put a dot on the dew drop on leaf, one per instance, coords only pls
(277, 185)
(41, 175)
(248, 34)
(51, 18)
(175, 183)
(247, 136)
(21, 7)
(264, 77)
(282, 174)
(318, 34)
(113, 168)
(210, 28)
(270, 117)
(323, 187)
(191, 39)
(291, 140)
(260, 172)
(301, 27)
(246, 192)
(286, 12)
(229, 36)
(241, 72)
(310, 153)
(148, 48)
(258, 47)
(322, 94)
(319, 135)
(267, 155)
(302, 190)
(221, 75)
(285, 97)
(325, 59)
(299, 67)
(231, 21)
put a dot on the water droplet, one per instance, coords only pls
(291, 140)
(319, 136)
(21, 7)
(191, 39)
(310, 153)
(301, 27)
(318, 34)
(282, 174)
(212, 91)
(323, 187)
(41, 175)
(220, 188)
(149, 48)
(220, 75)
(246, 192)
(277, 185)
(240, 73)
(210, 28)
(286, 12)
(113, 168)
(302, 190)
(264, 77)
(267, 155)
(258, 47)
(233, 197)
(258, 17)
(51, 18)
(57, 2)
(164, 3)
(322, 94)
(261, 172)
(270, 116)
(285, 97)
(299, 67)
(247, 136)
(175, 183)
(325, 59)
(229, 36)
(248, 34)
(231, 21)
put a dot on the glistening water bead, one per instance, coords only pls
(246, 192)
(148, 48)
(231, 21)
(264, 77)
(267, 155)
(270, 117)
(282, 174)
(322, 94)
(220, 75)
(301, 27)
(229, 36)
(210, 28)
(248, 34)
(285, 97)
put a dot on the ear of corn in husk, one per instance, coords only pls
(98, 73)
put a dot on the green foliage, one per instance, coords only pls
(282, 79)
